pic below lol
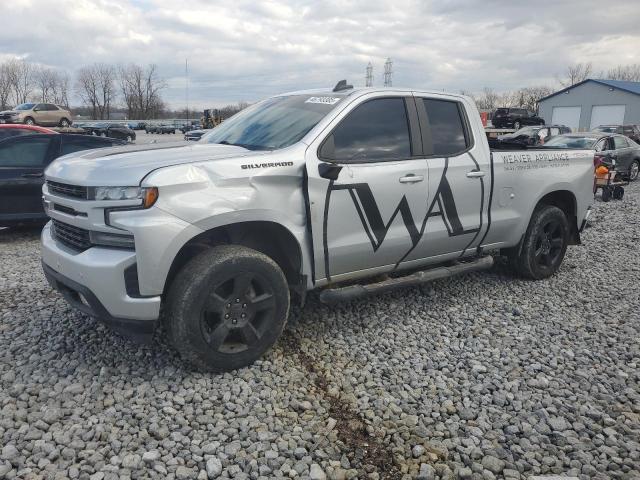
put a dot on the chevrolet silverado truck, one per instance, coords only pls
(348, 191)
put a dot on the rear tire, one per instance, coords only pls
(606, 194)
(516, 125)
(64, 123)
(618, 192)
(634, 170)
(544, 245)
(226, 308)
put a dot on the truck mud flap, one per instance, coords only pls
(334, 295)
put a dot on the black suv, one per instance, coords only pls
(515, 118)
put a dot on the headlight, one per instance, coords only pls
(148, 195)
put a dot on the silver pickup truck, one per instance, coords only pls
(350, 191)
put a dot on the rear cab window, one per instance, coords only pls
(447, 127)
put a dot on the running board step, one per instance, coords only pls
(333, 295)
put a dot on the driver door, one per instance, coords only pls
(367, 188)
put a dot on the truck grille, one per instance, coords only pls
(67, 190)
(74, 237)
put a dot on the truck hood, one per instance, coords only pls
(128, 165)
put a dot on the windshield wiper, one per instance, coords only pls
(244, 145)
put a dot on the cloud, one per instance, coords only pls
(245, 50)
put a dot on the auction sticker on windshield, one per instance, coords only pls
(323, 100)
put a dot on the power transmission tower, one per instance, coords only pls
(388, 73)
(369, 77)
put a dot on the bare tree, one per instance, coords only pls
(5, 86)
(45, 80)
(528, 97)
(61, 90)
(629, 73)
(488, 100)
(20, 75)
(95, 84)
(140, 88)
(576, 74)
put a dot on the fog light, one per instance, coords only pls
(112, 239)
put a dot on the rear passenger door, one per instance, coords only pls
(22, 163)
(623, 152)
(459, 181)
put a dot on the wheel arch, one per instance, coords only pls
(566, 201)
(268, 237)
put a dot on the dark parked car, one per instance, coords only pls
(166, 128)
(195, 135)
(137, 125)
(515, 118)
(623, 150)
(23, 160)
(188, 127)
(112, 130)
(631, 131)
(534, 135)
(151, 127)
(15, 130)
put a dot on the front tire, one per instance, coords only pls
(226, 308)
(29, 121)
(544, 245)
(516, 125)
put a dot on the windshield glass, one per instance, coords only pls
(565, 141)
(606, 129)
(274, 123)
(25, 106)
(528, 131)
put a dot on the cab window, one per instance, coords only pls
(447, 127)
(377, 130)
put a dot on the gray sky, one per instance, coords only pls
(247, 50)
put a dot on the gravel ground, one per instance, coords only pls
(479, 377)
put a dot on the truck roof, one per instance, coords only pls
(351, 91)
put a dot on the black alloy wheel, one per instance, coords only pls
(236, 313)
(549, 243)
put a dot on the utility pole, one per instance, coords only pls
(186, 76)
(388, 73)
(369, 77)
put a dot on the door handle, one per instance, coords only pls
(32, 175)
(411, 178)
(475, 174)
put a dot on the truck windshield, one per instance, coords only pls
(274, 123)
